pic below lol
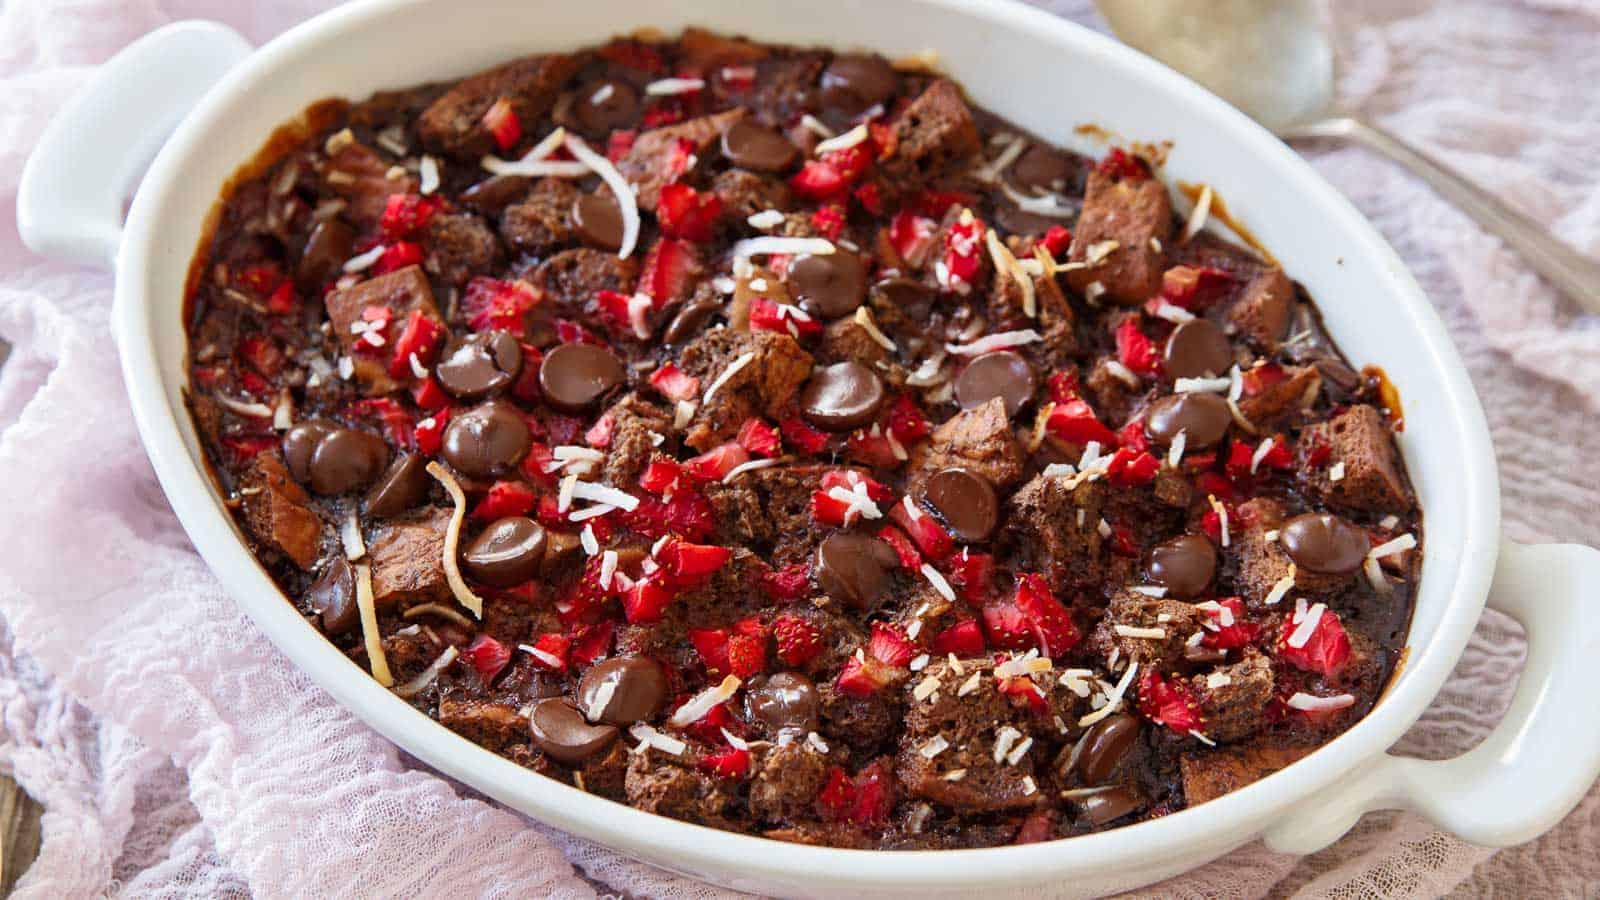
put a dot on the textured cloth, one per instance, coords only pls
(178, 754)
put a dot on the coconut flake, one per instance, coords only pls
(1131, 631)
(703, 702)
(362, 262)
(1004, 739)
(1397, 545)
(1312, 703)
(429, 170)
(1172, 312)
(1048, 205)
(864, 319)
(619, 189)
(350, 537)
(1023, 667)
(1113, 699)
(750, 466)
(1222, 516)
(1150, 590)
(1015, 145)
(608, 568)
(1000, 341)
(841, 142)
(452, 541)
(1175, 452)
(683, 413)
(1335, 471)
(769, 245)
(934, 747)
(814, 125)
(765, 219)
(1218, 680)
(249, 410)
(1375, 576)
(744, 359)
(1262, 450)
(1388, 522)
(1018, 752)
(602, 699)
(1283, 586)
(919, 662)
(437, 609)
(938, 581)
(370, 636)
(591, 512)
(649, 737)
(1308, 626)
(427, 676)
(1208, 385)
(1006, 261)
(669, 87)
(925, 688)
(1197, 217)
(970, 685)
(600, 493)
(815, 742)
(1122, 373)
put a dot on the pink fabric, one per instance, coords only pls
(178, 754)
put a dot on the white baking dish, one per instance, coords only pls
(1045, 73)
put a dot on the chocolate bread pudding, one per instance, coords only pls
(768, 438)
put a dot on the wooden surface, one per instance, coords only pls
(19, 833)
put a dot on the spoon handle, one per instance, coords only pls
(1571, 272)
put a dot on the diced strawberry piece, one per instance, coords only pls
(737, 77)
(619, 143)
(1135, 350)
(935, 204)
(767, 315)
(907, 422)
(717, 462)
(599, 434)
(860, 678)
(490, 303)
(1211, 524)
(674, 384)
(874, 798)
(1129, 468)
(912, 237)
(870, 196)
(668, 271)
(831, 176)
(687, 214)
(1036, 828)
(802, 437)
(553, 649)
(1007, 627)
(662, 476)
(729, 763)
(1029, 692)
(788, 583)
(428, 395)
(828, 220)
(1132, 436)
(397, 256)
(1261, 377)
(964, 639)
(1194, 288)
(1327, 650)
(570, 332)
(396, 421)
(1170, 703)
(849, 479)
(1055, 240)
(1122, 542)
(1074, 422)
(1318, 454)
(503, 124)
(505, 498)
(244, 447)
(666, 111)
(683, 560)
(712, 645)
(798, 640)
(910, 559)
(1051, 623)
(873, 448)
(616, 312)
(827, 510)
(890, 646)
(1238, 464)
(747, 655)
(487, 655)
(1215, 485)
(1121, 164)
(645, 601)
(1237, 632)
(404, 215)
(526, 387)
(262, 353)
(429, 433)
(931, 537)
(421, 339)
(591, 642)
(260, 279)
(1064, 387)
(254, 384)
(963, 248)
(283, 300)
(837, 796)
(759, 438)
(687, 513)
(972, 576)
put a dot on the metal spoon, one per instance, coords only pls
(1273, 59)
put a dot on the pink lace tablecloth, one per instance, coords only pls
(177, 753)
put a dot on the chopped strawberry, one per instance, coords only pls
(429, 433)
(873, 448)
(645, 601)
(570, 332)
(759, 438)
(935, 204)
(1037, 827)
(797, 639)
(972, 576)
(398, 426)
(591, 642)
(684, 561)
(1194, 288)
(1074, 422)
(686, 513)
(619, 315)
(839, 501)
(964, 639)
(912, 237)
(910, 559)
(490, 303)
(712, 646)
(803, 437)
(747, 654)
(1064, 386)
(1055, 240)
(1132, 436)
(1129, 468)
(729, 763)
(1051, 623)
(1007, 627)
(526, 387)
(860, 678)
(1122, 542)
(890, 646)
(397, 256)
(405, 215)
(503, 124)
(870, 196)
(963, 254)
(620, 143)
(1120, 164)
(874, 798)
(828, 220)
(1238, 464)
(831, 176)
(552, 652)
(283, 300)
(662, 476)
(1170, 703)
(487, 655)
(687, 214)
(428, 395)
(850, 479)
(767, 315)
(931, 537)
(1232, 629)
(666, 111)
(262, 353)
(669, 271)
(1213, 484)
(717, 462)
(419, 340)
(674, 384)
(837, 796)
(788, 583)
(505, 498)
(244, 447)
(1136, 350)
(710, 726)
(1326, 652)
(599, 434)
(1261, 377)
(907, 422)
(1030, 693)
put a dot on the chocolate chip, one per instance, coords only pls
(911, 297)
(842, 397)
(1202, 417)
(855, 568)
(346, 459)
(300, 442)
(563, 735)
(1197, 349)
(493, 194)
(486, 441)
(333, 596)
(404, 486)
(575, 376)
(1185, 564)
(1108, 805)
(598, 219)
(1105, 746)
(853, 83)
(1324, 543)
(475, 366)
(830, 285)
(506, 553)
(1043, 167)
(690, 320)
(639, 687)
(605, 104)
(326, 251)
(750, 145)
(786, 701)
(966, 500)
(1004, 374)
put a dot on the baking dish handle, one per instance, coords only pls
(1542, 758)
(87, 161)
